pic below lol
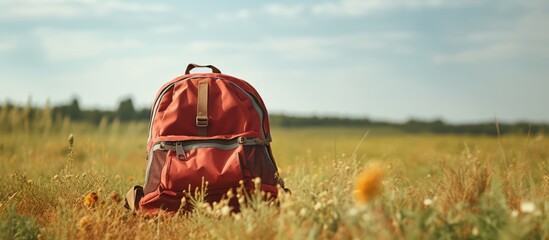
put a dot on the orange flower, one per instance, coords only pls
(368, 183)
(91, 199)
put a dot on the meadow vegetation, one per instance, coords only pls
(429, 186)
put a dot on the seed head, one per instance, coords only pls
(230, 194)
(514, 213)
(527, 207)
(225, 210)
(257, 181)
(303, 212)
(317, 206)
(115, 197)
(71, 140)
(475, 231)
(183, 201)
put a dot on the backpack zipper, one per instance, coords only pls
(181, 147)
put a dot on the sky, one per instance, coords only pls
(459, 61)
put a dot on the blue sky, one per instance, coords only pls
(460, 61)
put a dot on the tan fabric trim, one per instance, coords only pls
(133, 197)
(202, 109)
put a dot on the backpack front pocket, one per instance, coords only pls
(215, 168)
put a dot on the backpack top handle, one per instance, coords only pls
(192, 66)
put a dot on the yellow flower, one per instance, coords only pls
(368, 183)
(91, 199)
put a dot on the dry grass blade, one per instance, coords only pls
(501, 145)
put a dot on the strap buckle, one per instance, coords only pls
(201, 121)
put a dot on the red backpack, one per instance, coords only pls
(205, 127)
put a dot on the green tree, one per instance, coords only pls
(126, 111)
(73, 110)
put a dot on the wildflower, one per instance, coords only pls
(427, 202)
(303, 212)
(353, 212)
(514, 213)
(527, 207)
(91, 199)
(474, 231)
(317, 206)
(225, 210)
(368, 183)
(115, 197)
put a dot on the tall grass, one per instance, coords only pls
(432, 186)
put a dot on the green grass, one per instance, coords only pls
(434, 187)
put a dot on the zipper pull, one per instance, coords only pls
(179, 151)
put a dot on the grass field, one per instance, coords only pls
(432, 186)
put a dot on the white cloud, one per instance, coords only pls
(67, 45)
(8, 44)
(496, 51)
(38, 11)
(522, 37)
(242, 14)
(284, 10)
(298, 47)
(168, 29)
(353, 8)
(312, 47)
(335, 46)
(26, 9)
(129, 6)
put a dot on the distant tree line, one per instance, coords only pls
(126, 112)
(411, 126)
